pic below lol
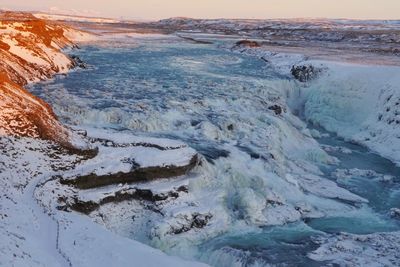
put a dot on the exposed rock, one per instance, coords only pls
(247, 43)
(193, 40)
(89, 206)
(85, 207)
(30, 50)
(136, 175)
(183, 188)
(276, 108)
(195, 220)
(111, 143)
(78, 62)
(23, 114)
(395, 213)
(304, 73)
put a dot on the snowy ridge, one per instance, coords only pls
(129, 152)
(30, 51)
(300, 23)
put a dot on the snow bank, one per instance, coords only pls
(89, 244)
(360, 103)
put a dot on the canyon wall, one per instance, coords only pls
(30, 51)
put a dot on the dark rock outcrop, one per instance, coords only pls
(78, 62)
(193, 40)
(247, 43)
(395, 213)
(276, 108)
(136, 175)
(304, 73)
(88, 207)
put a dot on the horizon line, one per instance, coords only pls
(122, 18)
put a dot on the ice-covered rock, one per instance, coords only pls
(359, 103)
(395, 213)
(349, 173)
(380, 249)
(133, 160)
(339, 149)
(304, 73)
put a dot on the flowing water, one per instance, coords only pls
(217, 102)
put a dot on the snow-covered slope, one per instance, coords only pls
(32, 233)
(30, 51)
(23, 114)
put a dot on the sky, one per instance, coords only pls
(260, 9)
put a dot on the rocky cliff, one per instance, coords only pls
(30, 51)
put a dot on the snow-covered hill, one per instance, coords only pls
(30, 51)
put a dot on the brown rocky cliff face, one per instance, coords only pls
(23, 114)
(30, 51)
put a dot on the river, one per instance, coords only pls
(218, 102)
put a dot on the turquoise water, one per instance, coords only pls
(382, 195)
(172, 89)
